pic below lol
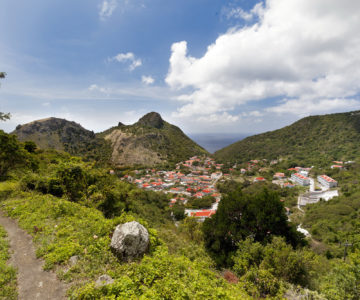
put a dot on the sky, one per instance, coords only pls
(208, 66)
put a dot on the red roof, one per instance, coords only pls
(300, 176)
(204, 213)
(260, 178)
(327, 178)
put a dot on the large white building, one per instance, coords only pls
(300, 179)
(327, 181)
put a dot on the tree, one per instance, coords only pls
(30, 146)
(4, 117)
(11, 153)
(260, 215)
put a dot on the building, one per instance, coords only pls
(337, 167)
(300, 179)
(259, 179)
(327, 181)
(202, 215)
(279, 175)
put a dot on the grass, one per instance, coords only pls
(8, 286)
(62, 229)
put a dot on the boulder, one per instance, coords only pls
(103, 280)
(73, 260)
(130, 241)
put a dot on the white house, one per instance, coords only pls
(300, 179)
(327, 181)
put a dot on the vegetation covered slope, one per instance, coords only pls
(150, 141)
(313, 139)
(60, 134)
(7, 272)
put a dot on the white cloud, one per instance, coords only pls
(303, 107)
(239, 13)
(107, 8)
(128, 57)
(219, 118)
(302, 50)
(95, 87)
(147, 80)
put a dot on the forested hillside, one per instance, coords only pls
(312, 140)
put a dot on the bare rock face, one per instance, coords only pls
(152, 119)
(130, 241)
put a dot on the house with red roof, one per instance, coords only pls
(300, 179)
(259, 179)
(327, 181)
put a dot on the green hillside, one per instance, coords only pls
(60, 134)
(150, 141)
(313, 139)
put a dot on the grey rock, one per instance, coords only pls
(73, 260)
(103, 280)
(130, 241)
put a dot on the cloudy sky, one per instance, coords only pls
(238, 66)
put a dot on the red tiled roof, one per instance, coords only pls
(300, 176)
(204, 213)
(327, 178)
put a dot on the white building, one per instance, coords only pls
(300, 179)
(327, 181)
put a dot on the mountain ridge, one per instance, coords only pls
(148, 142)
(311, 139)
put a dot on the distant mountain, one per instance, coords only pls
(149, 141)
(63, 135)
(313, 139)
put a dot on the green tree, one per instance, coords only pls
(30, 146)
(241, 215)
(3, 116)
(11, 154)
(74, 180)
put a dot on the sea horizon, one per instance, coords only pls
(216, 141)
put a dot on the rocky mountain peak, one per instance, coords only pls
(152, 119)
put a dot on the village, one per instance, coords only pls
(197, 178)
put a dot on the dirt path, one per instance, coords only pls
(33, 282)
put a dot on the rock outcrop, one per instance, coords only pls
(152, 119)
(130, 241)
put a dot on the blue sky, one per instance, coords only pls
(206, 65)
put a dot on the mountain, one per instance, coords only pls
(313, 139)
(63, 135)
(148, 142)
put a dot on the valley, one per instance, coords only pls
(222, 219)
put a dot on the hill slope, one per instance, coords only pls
(149, 141)
(60, 134)
(313, 139)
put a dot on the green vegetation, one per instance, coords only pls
(12, 154)
(7, 273)
(334, 222)
(166, 143)
(312, 140)
(71, 206)
(198, 203)
(240, 215)
(65, 229)
(60, 134)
